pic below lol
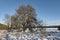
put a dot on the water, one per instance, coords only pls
(57, 34)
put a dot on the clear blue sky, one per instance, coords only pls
(47, 10)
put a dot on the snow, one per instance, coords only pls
(22, 36)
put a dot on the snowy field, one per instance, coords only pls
(25, 36)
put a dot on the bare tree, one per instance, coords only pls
(16, 22)
(7, 21)
(27, 16)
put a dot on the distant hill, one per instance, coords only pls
(3, 27)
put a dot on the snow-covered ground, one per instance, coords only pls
(24, 36)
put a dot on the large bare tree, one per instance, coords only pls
(27, 16)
